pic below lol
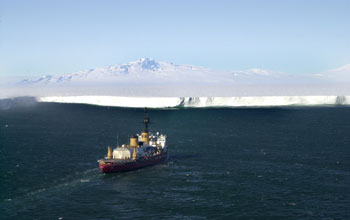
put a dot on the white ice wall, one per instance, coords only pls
(169, 102)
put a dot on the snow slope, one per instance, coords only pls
(340, 74)
(128, 84)
(147, 70)
(197, 102)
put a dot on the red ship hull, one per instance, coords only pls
(113, 167)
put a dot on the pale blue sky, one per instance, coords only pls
(51, 37)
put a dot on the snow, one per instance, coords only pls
(151, 71)
(340, 74)
(149, 82)
(200, 102)
(342, 68)
(147, 70)
(136, 102)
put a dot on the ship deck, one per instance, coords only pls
(116, 160)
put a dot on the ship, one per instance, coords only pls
(143, 150)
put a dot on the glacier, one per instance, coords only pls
(200, 102)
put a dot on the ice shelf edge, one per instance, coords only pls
(197, 102)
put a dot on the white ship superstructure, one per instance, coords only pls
(143, 150)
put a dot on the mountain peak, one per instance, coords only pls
(146, 59)
(148, 70)
(148, 64)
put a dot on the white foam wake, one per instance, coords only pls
(173, 102)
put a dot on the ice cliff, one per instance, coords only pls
(199, 102)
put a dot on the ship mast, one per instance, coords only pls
(146, 120)
(144, 133)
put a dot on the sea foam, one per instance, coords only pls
(198, 102)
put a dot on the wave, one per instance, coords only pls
(200, 102)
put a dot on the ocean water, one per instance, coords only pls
(224, 163)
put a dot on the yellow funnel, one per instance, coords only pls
(134, 142)
(134, 153)
(109, 154)
(145, 137)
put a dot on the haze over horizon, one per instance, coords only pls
(152, 71)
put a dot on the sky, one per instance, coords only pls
(55, 37)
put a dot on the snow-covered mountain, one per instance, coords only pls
(340, 74)
(147, 70)
(151, 78)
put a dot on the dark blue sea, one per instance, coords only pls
(224, 163)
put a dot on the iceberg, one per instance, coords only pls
(200, 102)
